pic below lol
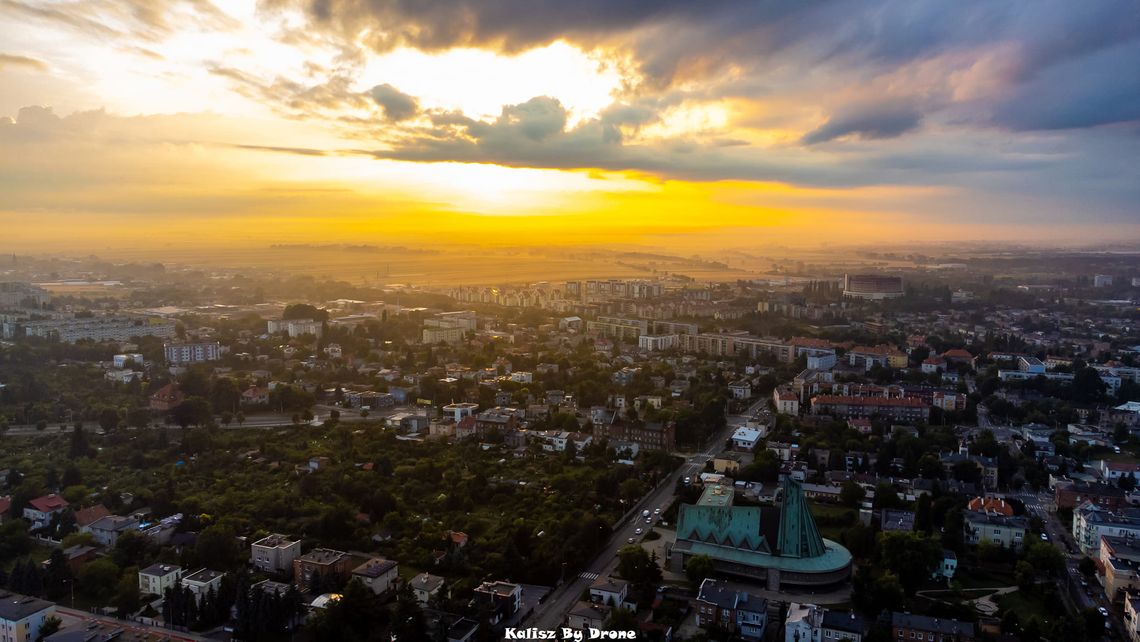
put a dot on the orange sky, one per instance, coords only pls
(234, 123)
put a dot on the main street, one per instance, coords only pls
(552, 613)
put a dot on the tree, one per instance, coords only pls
(1025, 576)
(79, 446)
(913, 557)
(138, 418)
(217, 547)
(638, 567)
(109, 419)
(923, 522)
(58, 576)
(127, 593)
(50, 627)
(1045, 557)
(193, 411)
(851, 494)
(99, 578)
(1086, 566)
(697, 568)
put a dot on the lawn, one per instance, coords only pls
(1026, 606)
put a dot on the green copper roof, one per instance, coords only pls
(834, 557)
(798, 534)
(715, 520)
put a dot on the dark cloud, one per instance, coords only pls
(397, 105)
(1100, 89)
(868, 122)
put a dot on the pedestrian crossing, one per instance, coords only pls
(588, 576)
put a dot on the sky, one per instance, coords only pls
(672, 123)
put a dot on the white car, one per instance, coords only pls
(1103, 611)
(656, 511)
(637, 532)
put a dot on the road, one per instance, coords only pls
(552, 613)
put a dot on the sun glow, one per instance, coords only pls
(479, 82)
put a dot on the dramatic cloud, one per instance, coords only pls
(868, 122)
(397, 105)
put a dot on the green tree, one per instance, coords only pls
(99, 578)
(697, 568)
(127, 593)
(913, 557)
(851, 494)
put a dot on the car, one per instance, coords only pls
(1044, 537)
(645, 513)
(688, 480)
(656, 511)
(1103, 611)
(637, 532)
(630, 540)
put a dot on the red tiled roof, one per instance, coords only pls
(957, 353)
(48, 503)
(91, 514)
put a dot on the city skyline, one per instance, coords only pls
(636, 124)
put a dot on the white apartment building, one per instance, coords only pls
(155, 579)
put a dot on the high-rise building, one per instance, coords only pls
(873, 287)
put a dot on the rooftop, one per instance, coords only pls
(203, 576)
(15, 607)
(322, 556)
(375, 567)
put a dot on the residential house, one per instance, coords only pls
(1091, 522)
(587, 615)
(501, 599)
(842, 625)
(201, 582)
(378, 574)
(426, 586)
(106, 530)
(462, 630)
(1007, 532)
(5, 507)
(155, 579)
(86, 516)
(1070, 494)
(40, 510)
(907, 627)
(949, 565)
(786, 401)
(740, 389)
(166, 398)
(996, 505)
(720, 605)
(274, 554)
(320, 568)
(744, 439)
(609, 592)
(1132, 617)
(76, 557)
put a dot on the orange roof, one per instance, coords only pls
(957, 353)
(91, 514)
(991, 505)
(809, 342)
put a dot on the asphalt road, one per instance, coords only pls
(552, 613)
